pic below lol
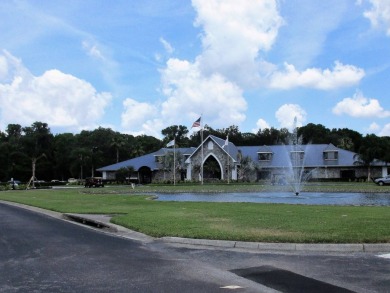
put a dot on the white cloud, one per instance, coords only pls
(261, 124)
(374, 127)
(340, 76)
(135, 114)
(93, 51)
(233, 34)
(379, 15)
(385, 131)
(360, 107)
(287, 113)
(3, 67)
(56, 98)
(167, 46)
(191, 93)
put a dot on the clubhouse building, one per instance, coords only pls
(219, 160)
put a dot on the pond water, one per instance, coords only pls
(309, 198)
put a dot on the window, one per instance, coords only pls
(210, 145)
(297, 155)
(265, 156)
(331, 155)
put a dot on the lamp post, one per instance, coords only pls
(81, 166)
(93, 151)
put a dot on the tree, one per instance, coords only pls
(247, 168)
(37, 144)
(63, 157)
(314, 133)
(176, 132)
(117, 143)
(124, 173)
(272, 136)
(370, 149)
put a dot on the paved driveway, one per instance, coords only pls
(43, 254)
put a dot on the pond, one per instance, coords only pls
(309, 198)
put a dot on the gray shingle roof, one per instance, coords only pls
(145, 160)
(313, 155)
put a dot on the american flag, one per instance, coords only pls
(196, 123)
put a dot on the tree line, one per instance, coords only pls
(68, 155)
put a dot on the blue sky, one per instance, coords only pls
(140, 66)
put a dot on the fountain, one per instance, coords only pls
(295, 156)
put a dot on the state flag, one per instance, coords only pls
(171, 143)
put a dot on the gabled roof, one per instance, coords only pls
(331, 148)
(145, 160)
(313, 155)
(230, 148)
(265, 149)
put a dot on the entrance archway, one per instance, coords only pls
(145, 175)
(212, 168)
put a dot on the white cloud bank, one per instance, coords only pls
(340, 76)
(233, 35)
(379, 15)
(261, 124)
(56, 98)
(287, 113)
(360, 107)
(385, 130)
(190, 92)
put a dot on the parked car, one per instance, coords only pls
(94, 182)
(383, 180)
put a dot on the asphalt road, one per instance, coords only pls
(42, 254)
(39, 253)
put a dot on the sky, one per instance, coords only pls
(139, 66)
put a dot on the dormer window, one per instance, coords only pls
(158, 159)
(297, 155)
(331, 155)
(264, 156)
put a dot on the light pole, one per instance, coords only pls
(81, 166)
(93, 151)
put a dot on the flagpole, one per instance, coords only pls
(201, 134)
(174, 161)
(228, 162)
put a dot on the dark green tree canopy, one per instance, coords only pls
(73, 155)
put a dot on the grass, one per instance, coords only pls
(227, 221)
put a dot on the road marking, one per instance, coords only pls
(232, 287)
(385, 255)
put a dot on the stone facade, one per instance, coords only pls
(211, 151)
(224, 161)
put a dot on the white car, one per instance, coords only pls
(383, 180)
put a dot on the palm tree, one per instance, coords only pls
(117, 143)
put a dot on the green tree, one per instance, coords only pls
(64, 145)
(37, 144)
(314, 134)
(117, 143)
(248, 166)
(176, 132)
(124, 173)
(371, 148)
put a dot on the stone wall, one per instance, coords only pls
(210, 148)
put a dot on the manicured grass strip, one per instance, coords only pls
(227, 221)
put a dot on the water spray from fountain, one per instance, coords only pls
(295, 172)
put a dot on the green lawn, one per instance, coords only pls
(228, 221)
